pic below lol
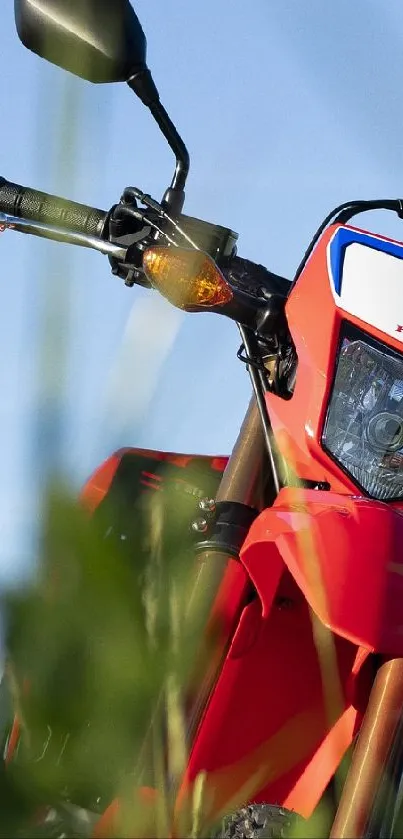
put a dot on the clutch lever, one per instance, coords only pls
(58, 234)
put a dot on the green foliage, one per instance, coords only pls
(101, 646)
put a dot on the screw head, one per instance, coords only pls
(199, 525)
(207, 505)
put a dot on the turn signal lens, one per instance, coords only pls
(189, 279)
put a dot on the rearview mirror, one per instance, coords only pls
(99, 40)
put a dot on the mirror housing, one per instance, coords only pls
(98, 40)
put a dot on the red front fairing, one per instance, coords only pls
(314, 321)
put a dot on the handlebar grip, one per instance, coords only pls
(23, 202)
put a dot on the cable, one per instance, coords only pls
(259, 387)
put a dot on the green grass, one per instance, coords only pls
(106, 641)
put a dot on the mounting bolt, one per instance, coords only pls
(199, 525)
(207, 505)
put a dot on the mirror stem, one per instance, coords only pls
(175, 194)
(143, 86)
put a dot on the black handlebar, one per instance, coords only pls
(250, 276)
(23, 202)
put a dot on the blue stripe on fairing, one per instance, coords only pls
(345, 237)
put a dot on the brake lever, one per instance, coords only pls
(58, 234)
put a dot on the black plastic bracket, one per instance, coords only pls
(304, 483)
(226, 528)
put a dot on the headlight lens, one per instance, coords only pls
(364, 424)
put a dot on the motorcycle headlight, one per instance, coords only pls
(364, 425)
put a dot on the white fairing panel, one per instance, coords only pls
(372, 288)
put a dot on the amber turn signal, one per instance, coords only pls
(189, 279)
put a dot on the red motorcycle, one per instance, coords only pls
(303, 524)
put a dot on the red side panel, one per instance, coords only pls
(99, 484)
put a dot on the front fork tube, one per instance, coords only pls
(367, 805)
(242, 483)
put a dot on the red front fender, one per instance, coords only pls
(292, 690)
(346, 556)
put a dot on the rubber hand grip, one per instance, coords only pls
(20, 201)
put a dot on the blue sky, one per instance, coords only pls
(288, 107)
